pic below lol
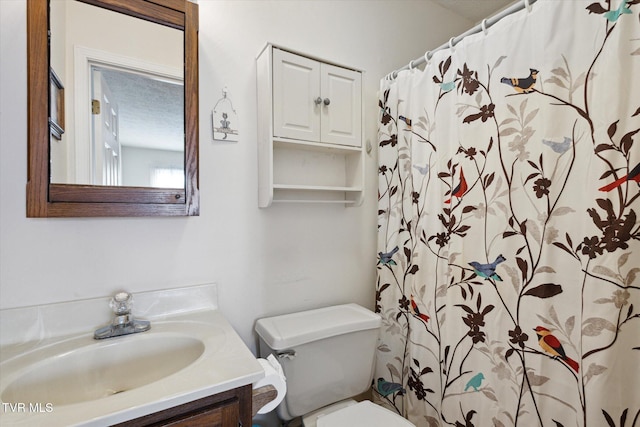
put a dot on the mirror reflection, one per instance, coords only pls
(123, 101)
(137, 129)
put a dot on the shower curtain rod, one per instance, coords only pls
(486, 23)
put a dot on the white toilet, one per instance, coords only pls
(327, 356)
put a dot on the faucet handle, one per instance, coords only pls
(121, 303)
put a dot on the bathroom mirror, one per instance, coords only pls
(116, 79)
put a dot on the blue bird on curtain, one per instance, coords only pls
(523, 84)
(613, 15)
(475, 382)
(386, 388)
(384, 258)
(488, 271)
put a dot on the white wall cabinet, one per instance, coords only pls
(309, 129)
(315, 101)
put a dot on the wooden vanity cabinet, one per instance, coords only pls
(227, 409)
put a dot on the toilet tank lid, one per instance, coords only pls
(290, 330)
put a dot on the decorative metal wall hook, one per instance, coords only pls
(224, 98)
(224, 117)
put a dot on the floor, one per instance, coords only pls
(272, 420)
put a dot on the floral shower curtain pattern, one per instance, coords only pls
(509, 243)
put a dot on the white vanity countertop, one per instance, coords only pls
(225, 363)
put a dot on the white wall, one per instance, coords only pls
(280, 259)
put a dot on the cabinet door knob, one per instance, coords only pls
(327, 101)
(317, 101)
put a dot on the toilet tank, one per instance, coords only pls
(326, 354)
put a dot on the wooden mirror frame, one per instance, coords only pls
(45, 199)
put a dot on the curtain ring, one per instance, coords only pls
(411, 65)
(527, 5)
(426, 56)
(484, 26)
(451, 43)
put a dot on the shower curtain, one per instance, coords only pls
(509, 241)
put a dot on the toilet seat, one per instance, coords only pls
(364, 414)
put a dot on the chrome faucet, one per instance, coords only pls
(123, 323)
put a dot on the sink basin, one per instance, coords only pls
(54, 374)
(86, 370)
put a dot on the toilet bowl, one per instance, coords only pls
(327, 356)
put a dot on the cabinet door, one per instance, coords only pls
(342, 117)
(296, 88)
(224, 415)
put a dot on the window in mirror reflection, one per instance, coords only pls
(125, 105)
(167, 177)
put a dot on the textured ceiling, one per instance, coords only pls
(475, 10)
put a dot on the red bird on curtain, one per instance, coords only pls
(416, 312)
(551, 345)
(460, 189)
(634, 175)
